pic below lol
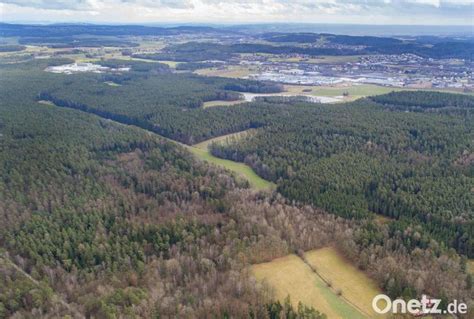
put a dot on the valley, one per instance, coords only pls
(205, 171)
(201, 150)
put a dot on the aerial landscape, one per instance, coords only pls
(236, 159)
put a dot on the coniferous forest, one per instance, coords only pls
(104, 215)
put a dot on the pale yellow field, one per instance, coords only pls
(355, 285)
(232, 71)
(44, 102)
(221, 103)
(171, 64)
(112, 83)
(289, 275)
(354, 91)
(319, 59)
(292, 276)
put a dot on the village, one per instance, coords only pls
(403, 70)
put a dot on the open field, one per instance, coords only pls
(290, 275)
(231, 71)
(171, 64)
(44, 102)
(318, 60)
(221, 103)
(355, 91)
(201, 151)
(112, 83)
(356, 287)
(150, 43)
(241, 169)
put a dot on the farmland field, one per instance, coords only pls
(234, 71)
(318, 60)
(291, 276)
(171, 64)
(355, 91)
(353, 283)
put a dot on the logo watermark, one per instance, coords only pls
(425, 306)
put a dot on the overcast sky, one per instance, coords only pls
(427, 12)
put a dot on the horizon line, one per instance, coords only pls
(223, 24)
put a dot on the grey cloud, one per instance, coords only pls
(52, 4)
(453, 9)
(89, 4)
(174, 4)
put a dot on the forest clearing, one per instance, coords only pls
(201, 150)
(221, 103)
(323, 280)
(343, 276)
(291, 276)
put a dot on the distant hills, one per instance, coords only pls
(58, 30)
(62, 35)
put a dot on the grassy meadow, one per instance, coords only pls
(355, 286)
(349, 292)
(291, 276)
(231, 71)
(201, 151)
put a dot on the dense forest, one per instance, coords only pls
(410, 165)
(105, 220)
(67, 30)
(340, 45)
(357, 158)
(169, 105)
(199, 51)
(333, 38)
(426, 101)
